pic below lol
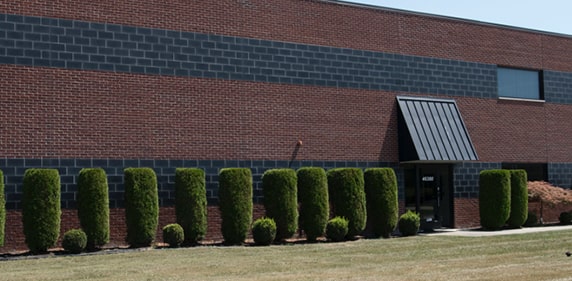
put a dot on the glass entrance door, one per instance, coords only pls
(428, 192)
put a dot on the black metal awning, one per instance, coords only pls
(432, 130)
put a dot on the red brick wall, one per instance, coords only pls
(466, 213)
(60, 113)
(322, 23)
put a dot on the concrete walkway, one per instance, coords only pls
(483, 233)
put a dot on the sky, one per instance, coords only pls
(545, 15)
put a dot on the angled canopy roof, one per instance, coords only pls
(432, 130)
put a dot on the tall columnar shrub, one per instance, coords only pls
(381, 198)
(314, 201)
(235, 203)
(279, 187)
(494, 198)
(93, 206)
(347, 196)
(518, 198)
(141, 206)
(2, 209)
(191, 203)
(41, 212)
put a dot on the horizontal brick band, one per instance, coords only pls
(50, 42)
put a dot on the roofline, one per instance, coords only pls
(483, 23)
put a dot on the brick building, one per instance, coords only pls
(229, 83)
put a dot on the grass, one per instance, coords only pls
(538, 256)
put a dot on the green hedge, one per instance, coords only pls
(494, 198)
(264, 231)
(74, 241)
(93, 206)
(347, 196)
(191, 203)
(279, 188)
(235, 203)
(2, 209)
(381, 198)
(337, 229)
(518, 198)
(314, 201)
(409, 223)
(141, 206)
(174, 235)
(41, 211)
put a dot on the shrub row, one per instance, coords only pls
(344, 189)
(503, 198)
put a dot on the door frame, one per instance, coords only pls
(443, 172)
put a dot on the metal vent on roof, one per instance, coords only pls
(432, 130)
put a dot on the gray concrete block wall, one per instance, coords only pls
(560, 174)
(71, 44)
(466, 178)
(558, 87)
(14, 169)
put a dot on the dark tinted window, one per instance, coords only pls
(519, 83)
(534, 171)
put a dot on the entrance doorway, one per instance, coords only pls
(428, 191)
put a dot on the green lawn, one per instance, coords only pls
(537, 256)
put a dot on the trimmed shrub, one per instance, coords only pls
(409, 223)
(93, 206)
(531, 220)
(565, 218)
(279, 187)
(41, 211)
(347, 196)
(141, 206)
(2, 209)
(494, 198)
(381, 198)
(337, 229)
(174, 235)
(191, 203)
(74, 241)
(518, 198)
(314, 201)
(264, 231)
(235, 203)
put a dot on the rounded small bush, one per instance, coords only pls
(518, 198)
(281, 200)
(337, 229)
(41, 211)
(174, 235)
(347, 196)
(494, 198)
(235, 204)
(2, 209)
(531, 220)
(381, 198)
(314, 201)
(565, 218)
(93, 206)
(141, 206)
(191, 203)
(74, 241)
(264, 231)
(409, 223)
